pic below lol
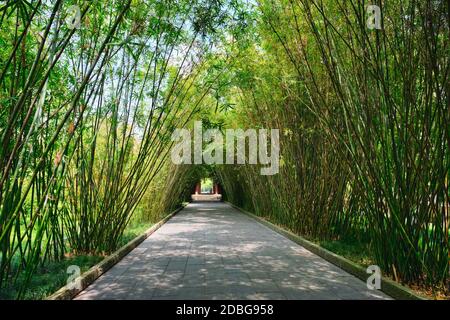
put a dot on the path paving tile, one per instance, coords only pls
(212, 251)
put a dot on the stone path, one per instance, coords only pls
(212, 251)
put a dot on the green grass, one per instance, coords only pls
(53, 275)
(359, 253)
(133, 231)
(350, 249)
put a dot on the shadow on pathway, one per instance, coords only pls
(212, 251)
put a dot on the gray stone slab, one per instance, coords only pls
(212, 251)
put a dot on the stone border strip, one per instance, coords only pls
(388, 286)
(66, 293)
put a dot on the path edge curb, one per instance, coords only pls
(87, 278)
(391, 288)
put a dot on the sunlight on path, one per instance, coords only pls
(212, 251)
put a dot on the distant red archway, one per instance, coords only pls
(215, 190)
(214, 195)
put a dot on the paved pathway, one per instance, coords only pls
(212, 251)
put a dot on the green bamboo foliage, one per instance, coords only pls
(365, 115)
(87, 111)
(90, 94)
(33, 132)
(104, 191)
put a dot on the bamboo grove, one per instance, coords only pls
(365, 121)
(91, 91)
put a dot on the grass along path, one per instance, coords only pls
(53, 275)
